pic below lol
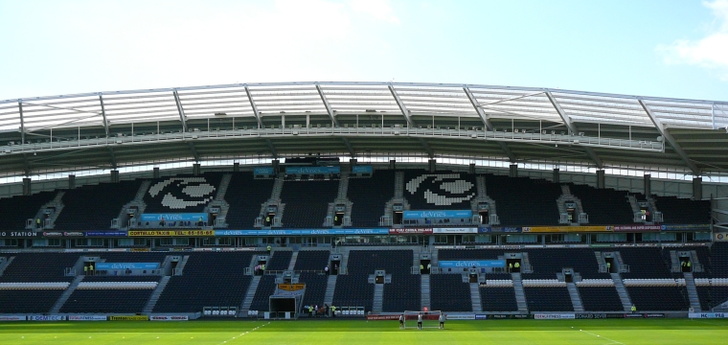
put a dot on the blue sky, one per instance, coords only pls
(664, 48)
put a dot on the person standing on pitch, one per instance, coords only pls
(401, 321)
(442, 321)
(419, 321)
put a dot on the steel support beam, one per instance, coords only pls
(193, 149)
(669, 138)
(427, 148)
(401, 106)
(26, 165)
(272, 148)
(22, 122)
(65, 108)
(573, 130)
(256, 113)
(180, 110)
(478, 109)
(328, 107)
(486, 122)
(348, 146)
(112, 155)
(103, 115)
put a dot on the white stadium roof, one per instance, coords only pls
(110, 130)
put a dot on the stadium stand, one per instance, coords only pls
(18, 209)
(367, 261)
(498, 299)
(106, 198)
(266, 287)
(403, 293)
(600, 299)
(181, 194)
(604, 206)
(209, 279)
(656, 298)
(643, 263)
(354, 290)
(28, 301)
(306, 202)
(107, 301)
(315, 287)
(245, 196)
(222, 278)
(279, 261)
(439, 191)
(548, 299)
(546, 262)
(311, 260)
(39, 267)
(449, 292)
(719, 259)
(369, 195)
(683, 211)
(522, 201)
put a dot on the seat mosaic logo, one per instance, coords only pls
(441, 189)
(182, 192)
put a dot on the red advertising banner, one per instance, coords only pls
(639, 228)
(410, 231)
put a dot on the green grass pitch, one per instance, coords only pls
(352, 332)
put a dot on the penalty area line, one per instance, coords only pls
(244, 333)
(612, 341)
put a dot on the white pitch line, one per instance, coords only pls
(244, 333)
(599, 336)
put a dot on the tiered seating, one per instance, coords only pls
(39, 267)
(134, 256)
(367, 261)
(117, 279)
(719, 259)
(704, 259)
(107, 301)
(245, 196)
(546, 262)
(440, 191)
(315, 287)
(706, 298)
(362, 263)
(646, 262)
(500, 299)
(312, 260)
(266, 288)
(469, 254)
(448, 292)
(29, 268)
(16, 210)
(28, 301)
(600, 299)
(279, 261)
(548, 299)
(369, 195)
(658, 298)
(353, 290)
(181, 194)
(307, 202)
(683, 211)
(209, 279)
(712, 296)
(604, 206)
(403, 293)
(93, 207)
(522, 201)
